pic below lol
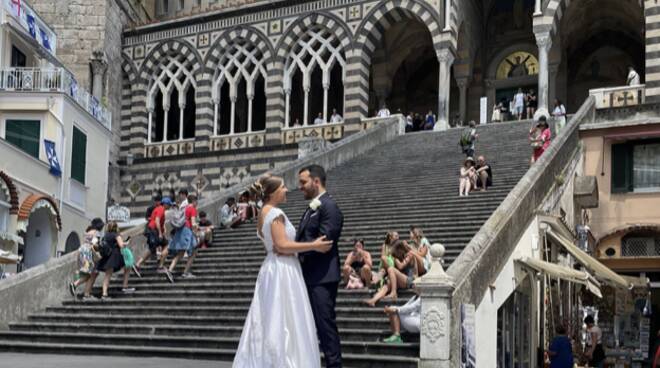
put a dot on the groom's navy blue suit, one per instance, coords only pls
(322, 274)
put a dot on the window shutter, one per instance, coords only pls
(622, 167)
(24, 134)
(78, 155)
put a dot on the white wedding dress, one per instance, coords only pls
(279, 331)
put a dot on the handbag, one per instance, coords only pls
(129, 259)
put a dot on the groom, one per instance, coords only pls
(321, 270)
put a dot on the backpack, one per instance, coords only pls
(178, 219)
(104, 248)
(466, 137)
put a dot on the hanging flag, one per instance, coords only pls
(31, 26)
(52, 158)
(44, 39)
(17, 4)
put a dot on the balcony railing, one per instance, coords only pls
(53, 80)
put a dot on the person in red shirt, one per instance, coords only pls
(184, 240)
(155, 235)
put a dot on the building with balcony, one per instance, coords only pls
(54, 142)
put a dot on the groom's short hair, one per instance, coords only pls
(315, 171)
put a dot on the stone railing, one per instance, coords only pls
(54, 80)
(606, 98)
(45, 285)
(483, 258)
(329, 132)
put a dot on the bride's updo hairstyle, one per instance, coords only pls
(265, 186)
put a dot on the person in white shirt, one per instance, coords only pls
(407, 317)
(519, 104)
(633, 77)
(319, 119)
(383, 112)
(296, 123)
(559, 113)
(409, 123)
(335, 118)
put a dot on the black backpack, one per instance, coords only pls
(104, 248)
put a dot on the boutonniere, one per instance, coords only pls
(314, 204)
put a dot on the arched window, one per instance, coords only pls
(314, 77)
(171, 102)
(239, 90)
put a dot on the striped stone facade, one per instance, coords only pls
(202, 51)
(652, 17)
(196, 53)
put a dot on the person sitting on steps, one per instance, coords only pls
(484, 174)
(407, 317)
(468, 177)
(358, 265)
(400, 276)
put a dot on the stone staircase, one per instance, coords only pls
(411, 180)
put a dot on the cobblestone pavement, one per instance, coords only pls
(9, 360)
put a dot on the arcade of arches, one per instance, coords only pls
(498, 50)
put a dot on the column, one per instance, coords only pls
(326, 87)
(447, 15)
(287, 108)
(182, 106)
(652, 38)
(166, 113)
(537, 7)
(544, 43)
(436, 289)
(233, 115)
(552, 84)
(150, 124)
(249, 122)
(306, 112)
(463, 83)
(445, 59)
(99, 67)
(216, 107)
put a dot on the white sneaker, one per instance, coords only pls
(188, 275)
(128, 290)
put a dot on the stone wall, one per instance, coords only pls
(83, 27)
(207, 173)
(80, 29)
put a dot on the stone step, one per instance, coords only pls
(194, 342)
(350, 360)
(165, 319)
(357, 311)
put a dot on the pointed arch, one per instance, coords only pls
(312, 48)
(170, 72)
(369, 35)
(238, 60)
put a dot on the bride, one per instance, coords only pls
(279, 330)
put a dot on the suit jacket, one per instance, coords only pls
(320, 268)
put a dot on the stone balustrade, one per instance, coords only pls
(619, 96)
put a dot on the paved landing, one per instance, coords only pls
(8, 360)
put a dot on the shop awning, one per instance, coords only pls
(564, 273)
(599, 270)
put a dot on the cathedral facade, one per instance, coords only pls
(213, 91)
